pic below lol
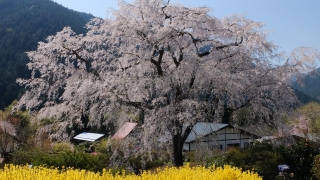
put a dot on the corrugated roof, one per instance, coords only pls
(124, 130)
(202, 129)
(88, 136)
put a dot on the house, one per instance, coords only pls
(217, 135)
(203, 135)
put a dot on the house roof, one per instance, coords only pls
(202, 129)
(124, 130)
(315, 137)
(88, 136)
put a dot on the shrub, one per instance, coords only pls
(76, 160)
(62, 147)
(140, 162)
(262, 158)
(24, 156)
(235, 157)
(218, 161)
(102, 147)
(190, 156)
(316, 166)
(300, 158)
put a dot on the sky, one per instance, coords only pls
(293, 23)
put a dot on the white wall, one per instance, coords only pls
(220, 139)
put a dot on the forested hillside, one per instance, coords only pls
(311, 85)
(23, 23)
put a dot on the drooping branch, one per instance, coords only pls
(227, 57)
(165, 14)
(140, 33)
(87, 63)
(125, 100)
(138, 105)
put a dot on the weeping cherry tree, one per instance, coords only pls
(173, 64)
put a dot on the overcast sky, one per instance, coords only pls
(294, 22)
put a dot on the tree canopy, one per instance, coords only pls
(169, 64)
(307, 118)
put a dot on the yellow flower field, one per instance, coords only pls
(12, 172)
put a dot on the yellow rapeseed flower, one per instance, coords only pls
(11, 172)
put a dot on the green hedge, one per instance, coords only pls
(265, 158)
(77, 160)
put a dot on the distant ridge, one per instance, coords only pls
(23, 23)
(311, 85)
(305, 98)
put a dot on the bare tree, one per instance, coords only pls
(175, 65)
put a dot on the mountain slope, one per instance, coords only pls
(305, 98)
(311, 85)
(23, 23)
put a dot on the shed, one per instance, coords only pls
(85, 136)
(125, 130)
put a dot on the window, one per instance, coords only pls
(233, 145)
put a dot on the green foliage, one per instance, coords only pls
(78, 160)
(24, 130)
(316, 166)
(102, 147)
(311, 111)
(262, 158)
(22, 156)
(235, 157)
(141, 162)
(218, 161)
(62, 147)
(190, 156)
(64, 155)
(300, 158)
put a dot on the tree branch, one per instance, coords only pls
(88, 63)
(139, 105)
(158, 63)
(193, 77)
(175, 60)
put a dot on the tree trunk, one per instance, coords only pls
(178, 141)
(227, 116)
(177, 150)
